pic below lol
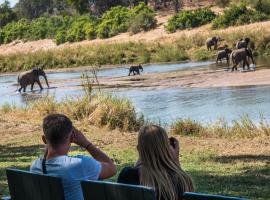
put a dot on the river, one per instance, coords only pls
(162, 104)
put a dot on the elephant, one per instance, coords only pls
(241, 55)
(224, 54)
(212, 42)
(135, 69)
(243, 43)
(30, 78)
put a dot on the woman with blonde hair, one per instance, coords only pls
(158, 166)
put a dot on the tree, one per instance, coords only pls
(176, 5)
(6, 14)
(81, 6)
(31, 9)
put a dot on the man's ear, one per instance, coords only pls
(44, 139)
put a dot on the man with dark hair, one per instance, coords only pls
(59, 133)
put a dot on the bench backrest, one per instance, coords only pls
(25, 185)
(98, 190)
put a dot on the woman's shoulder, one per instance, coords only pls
(129, 175)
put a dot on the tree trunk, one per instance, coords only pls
(176, 6)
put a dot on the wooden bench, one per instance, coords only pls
(100, 190)
(24, 185)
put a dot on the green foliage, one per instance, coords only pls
(77, 28)
(189, 19)
(238, 15)
(142, 18)
(113, 21)
(222, 3)
(6, 14)
(262, 6)
(82, 28)
(16, 30)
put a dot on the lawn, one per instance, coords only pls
(237, 167)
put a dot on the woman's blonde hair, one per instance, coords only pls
(159, 168)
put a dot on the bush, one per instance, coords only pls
(60, 37)
(16, 30)
(113, 22)
(142, 18)
(263, 6)
(187, 127)
(238, 15)
(82, 27)
(190, 19)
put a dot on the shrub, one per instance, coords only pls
(16, 30)
(187, 127)
(142, 18)
(113, 21)
(82, 27)
(60, 37)
(238, 15)
(190, 19)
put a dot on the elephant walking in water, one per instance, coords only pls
(241, 55)
(30, 78)
(212, 42)
(135, 70)
(224, 54)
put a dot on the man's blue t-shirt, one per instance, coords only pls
(72, 170)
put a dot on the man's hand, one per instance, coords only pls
(79, 139)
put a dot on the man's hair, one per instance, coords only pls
(56, 128)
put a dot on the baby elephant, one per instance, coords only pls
(135, 70)
(212, 42)
(224, 54)
(30, 78)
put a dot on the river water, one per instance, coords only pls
(165, 105)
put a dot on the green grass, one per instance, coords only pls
(244, 175)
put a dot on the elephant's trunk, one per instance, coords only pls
(45, 77)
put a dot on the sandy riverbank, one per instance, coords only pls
(195, 79)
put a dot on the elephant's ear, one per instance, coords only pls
(35, 71)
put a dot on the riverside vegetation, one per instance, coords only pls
(71, 28)
(185, 47)
(207, 151)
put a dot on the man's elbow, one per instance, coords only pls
(113, 169)
(108, 170)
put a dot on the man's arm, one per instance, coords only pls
(108, 168)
